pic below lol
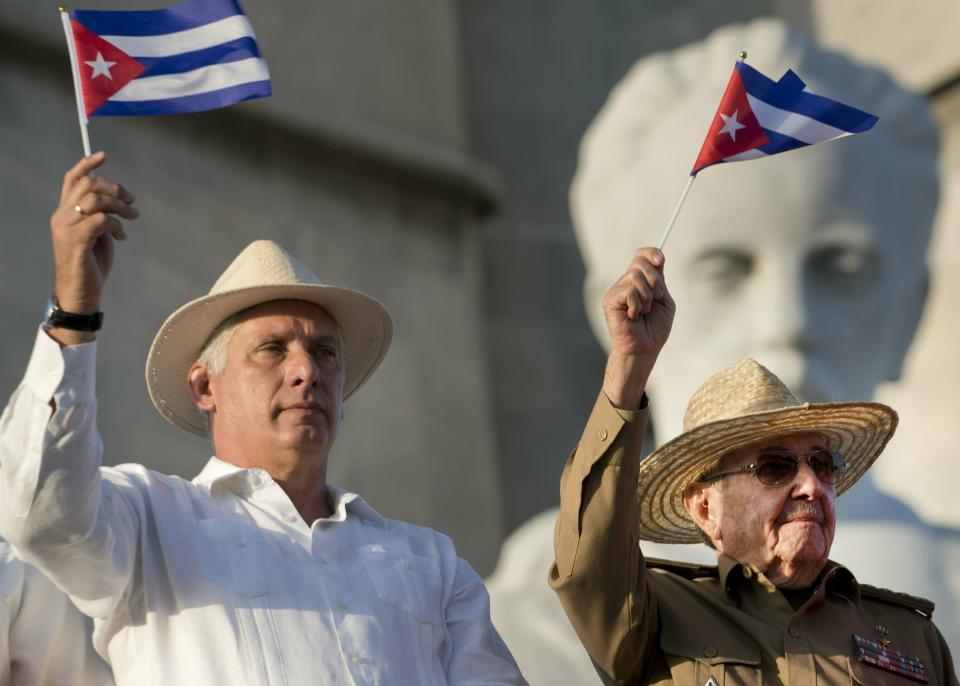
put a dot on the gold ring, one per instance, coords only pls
(82, 212)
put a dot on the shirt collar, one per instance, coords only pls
(218, 474)
(835, 578)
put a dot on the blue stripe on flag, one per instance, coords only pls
(235, 50)
(780, 143)
(187, 15)
(786, 94)
(188, 103)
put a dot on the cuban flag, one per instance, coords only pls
(759, 117)
(198, 55)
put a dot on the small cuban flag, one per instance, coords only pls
(758, 117)
(198, 55)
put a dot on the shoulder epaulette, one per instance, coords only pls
(911, 602)
(687, 570)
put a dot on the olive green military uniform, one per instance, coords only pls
(652, 623)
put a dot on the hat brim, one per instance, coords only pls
(858, 431)
(365, 326)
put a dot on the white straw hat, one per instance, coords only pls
(263, 272)
(739, 406)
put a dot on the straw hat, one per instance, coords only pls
(738, 406)
(264, 271)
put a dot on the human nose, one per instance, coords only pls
(302, 368)
(806, 484)
(781, 305)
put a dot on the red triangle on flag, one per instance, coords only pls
(104, 68)
(735, 128)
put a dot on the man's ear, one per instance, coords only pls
(198, 378)
(701, 502)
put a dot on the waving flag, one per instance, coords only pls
(759, 117)
(198, 55)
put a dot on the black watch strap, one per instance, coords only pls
(56, 318)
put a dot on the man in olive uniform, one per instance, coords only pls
(755, 474)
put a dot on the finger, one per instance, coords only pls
(651, 275)
(100, 224)
(638, 280)
(98, 185)
(652, 255)
(96, 202)
(115, 228)
(80, 170)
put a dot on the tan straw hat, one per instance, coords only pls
(738, 406)
(264, 271)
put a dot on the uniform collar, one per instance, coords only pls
(218, 475)
(835, 578)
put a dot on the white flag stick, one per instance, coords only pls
(676, 211)
(72, 49)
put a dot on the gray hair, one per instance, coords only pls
(213, 355)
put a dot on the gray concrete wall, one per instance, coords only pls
(357, 165)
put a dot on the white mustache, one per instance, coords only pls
(802, 511)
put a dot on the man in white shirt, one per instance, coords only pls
(257, 571)
(43, 638)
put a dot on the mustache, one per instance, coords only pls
(802, 511)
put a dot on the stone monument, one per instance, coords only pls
(812, 262)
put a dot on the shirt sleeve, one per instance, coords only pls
(599, 574)
(474, 652)
(55, 508)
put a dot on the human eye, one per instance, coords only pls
(846, 266)
(721, 271)
(271, 347)
(325, 351)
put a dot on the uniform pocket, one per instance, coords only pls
(407, 582)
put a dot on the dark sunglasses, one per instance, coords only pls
(776, 467)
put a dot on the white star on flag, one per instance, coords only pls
(730, 124)
(100, 66)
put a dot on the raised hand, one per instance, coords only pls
(639, 313)
(83, 229)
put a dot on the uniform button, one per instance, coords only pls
(602, 434)
(289, 519)
(355, 659)
(710, 651)
(794, 631)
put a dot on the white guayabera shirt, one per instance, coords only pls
(218, 580)
(43, 638)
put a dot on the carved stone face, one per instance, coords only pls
(798, 261)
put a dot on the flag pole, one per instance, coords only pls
(72, 49)
(676, 211)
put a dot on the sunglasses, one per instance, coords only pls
(775, 467)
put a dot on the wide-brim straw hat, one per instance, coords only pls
(263, 272)
(739, 406)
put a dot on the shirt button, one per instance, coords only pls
(794, 631)
(710, 651)
(602, 434)
(256, 480)
(289, 519)
(355, 659)
(341, 606)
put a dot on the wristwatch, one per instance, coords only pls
(55, 318)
